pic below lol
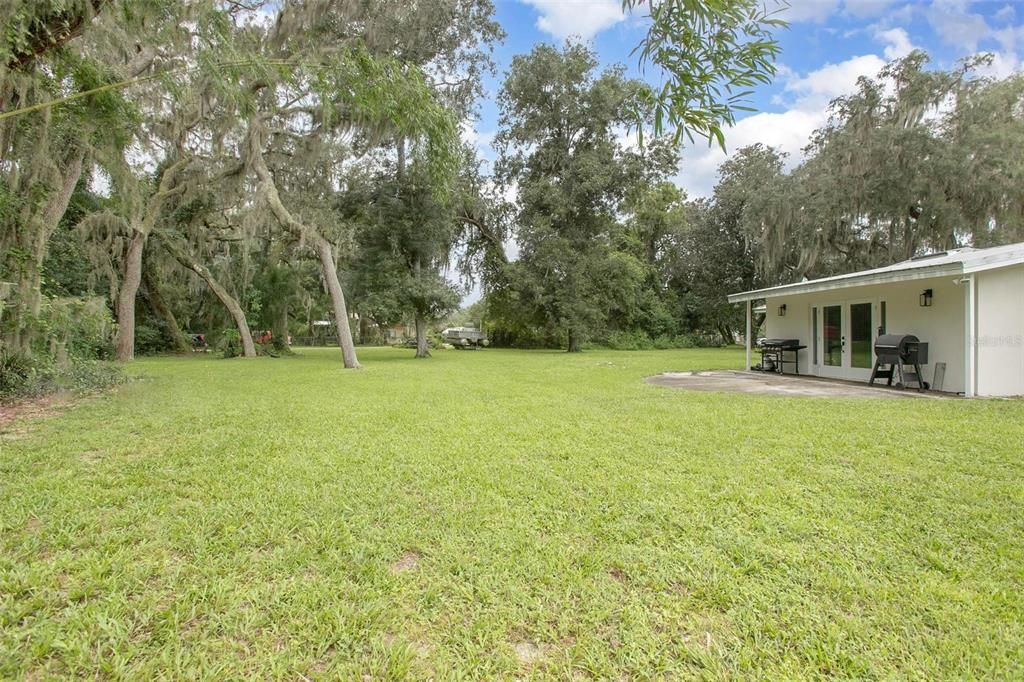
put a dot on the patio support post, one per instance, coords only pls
(970, 338)
(746, 337)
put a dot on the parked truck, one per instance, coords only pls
(465, 337)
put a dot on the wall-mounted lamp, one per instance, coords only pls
(782, 310)
(925, 300)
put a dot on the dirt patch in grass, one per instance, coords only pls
(13, 415)
(409, 561)
(93, 456)
(708, 630)
(618, 575)
(528, 653)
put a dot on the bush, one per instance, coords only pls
(150, 340)
(664, 342)
(21, 377)
(698, 340)
(631, 340)
(29, 377)
(638, 340)
(89, 375)
(230, 343)
(70, 336)
(82, 325)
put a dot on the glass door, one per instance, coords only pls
(862, 340)
(833, 341)
(846, 337)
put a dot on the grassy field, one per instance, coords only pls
(507, 514)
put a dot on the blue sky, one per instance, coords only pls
(829, 44)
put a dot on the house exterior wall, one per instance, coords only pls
(941, 325)
(1000, 338)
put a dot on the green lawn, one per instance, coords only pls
(506, 514)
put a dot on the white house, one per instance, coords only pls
(967, 305)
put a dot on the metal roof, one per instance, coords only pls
(956, 262)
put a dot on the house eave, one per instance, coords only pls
(851, 281)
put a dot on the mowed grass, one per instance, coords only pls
(506, 514)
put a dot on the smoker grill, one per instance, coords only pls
(896, 351)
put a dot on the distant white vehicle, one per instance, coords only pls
(465, 337)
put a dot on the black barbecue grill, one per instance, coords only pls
(897, 350)
(773, 355)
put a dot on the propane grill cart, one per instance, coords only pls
(896, 351)
(773, 355)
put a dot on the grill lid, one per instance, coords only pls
(779, 342)
(895, 341)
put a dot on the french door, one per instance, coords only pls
(846, 339)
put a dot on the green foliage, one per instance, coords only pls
(83, 325)
(403, 241)
(711, 54)
(558, 147)
(23, 377)
(893, 176)
(72, 326)
(637, 339)
(230, 343)
(20, 376)
(152, 339)
(363, 89)
(629, 340)
(29, 27)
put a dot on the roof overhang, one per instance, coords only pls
(864, 279)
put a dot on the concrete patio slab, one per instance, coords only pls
(762, 383)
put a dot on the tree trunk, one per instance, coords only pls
(53, 212)
(268, 188)
(279, 329)
(226, 299)
(364, 329)
(574, 342)
(727, 336)
(156, 302)
(422, 348)
(125, 344)
(43, 224)
(237, 314)
(330, 272)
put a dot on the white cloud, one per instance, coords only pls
(1010, 37)
(1007, 60)
(788, 131)
(819, 87)
(1005, 15)
(897, 42)
(481, 140)
(867, 8)
(1003, 64)
(796, 11)
(583, 18)
(955, 25)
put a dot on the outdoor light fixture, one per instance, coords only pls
(782, 310)
(926, 298)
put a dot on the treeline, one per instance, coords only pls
(257, 171)
(244, 170)
(611, 252)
